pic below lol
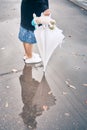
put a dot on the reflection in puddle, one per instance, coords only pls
(36, 96)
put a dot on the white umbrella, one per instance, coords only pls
(47, 41)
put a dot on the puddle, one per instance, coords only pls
(36, 95)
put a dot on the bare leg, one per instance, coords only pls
(28, 49)
(28, 52)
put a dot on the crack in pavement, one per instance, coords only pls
(10, 72)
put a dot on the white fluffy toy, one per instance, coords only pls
(44, 20)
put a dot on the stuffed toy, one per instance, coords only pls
(44, 20)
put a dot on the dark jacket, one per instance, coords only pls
(28, 7)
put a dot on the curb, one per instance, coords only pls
(80, 4)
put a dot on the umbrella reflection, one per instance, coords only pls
(36, 96)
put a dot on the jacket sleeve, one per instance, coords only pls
(43, 3)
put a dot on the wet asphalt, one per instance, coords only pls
(80, 3)
(28, 99)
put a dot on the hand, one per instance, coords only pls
(47, 12)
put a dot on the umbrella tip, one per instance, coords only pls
(43, 73)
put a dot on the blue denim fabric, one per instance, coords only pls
(27, 36)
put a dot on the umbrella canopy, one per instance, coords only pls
(47, 40)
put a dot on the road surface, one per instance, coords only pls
(30, 101)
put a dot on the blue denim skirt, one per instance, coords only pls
(26, 36)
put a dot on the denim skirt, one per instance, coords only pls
(26, 36)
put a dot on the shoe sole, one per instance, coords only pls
(32, 62)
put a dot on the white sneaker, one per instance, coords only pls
(33, 54)
(33, 60)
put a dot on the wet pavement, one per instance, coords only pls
(81, 3)
(9, 9)
(30, 101)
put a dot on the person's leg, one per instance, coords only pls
(30, 57)
(28, 39)
(28, 49)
